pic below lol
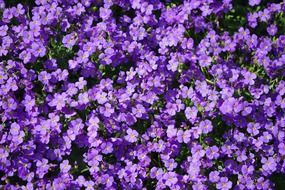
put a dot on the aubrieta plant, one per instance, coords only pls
(142, 94)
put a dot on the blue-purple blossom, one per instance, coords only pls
(142, 94)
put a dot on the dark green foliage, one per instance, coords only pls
(76, 160)
(279, 181)
(60, 53)
(11, 3)
(141, 125)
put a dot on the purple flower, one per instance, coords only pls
(89, 185)
(272, 30)
(205, 60)
(69, 40)
(247, 170)
(58, 101)
(108, 180)
(281, 148)
(171, 131)
(206, 126)
(131, 136)
(269, 164)
(44, 77)
(186, 136)
(105, 13)
(254, 2)
(42, 167)
(214, 176)
(64, 166)
(170, 178)
(25, 56)
(139, 110)
(264, 15)
(253, 128)
(15, 129)
(101, 97)
(191, 113)
(224, 184)
(170, 164)
(228, 106)
(3, 30)
(212, 152)
(107, 148)
(83, 98)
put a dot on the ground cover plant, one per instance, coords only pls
(142, 94)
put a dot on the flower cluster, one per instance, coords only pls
(142, 94)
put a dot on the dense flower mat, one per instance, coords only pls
(142, 94)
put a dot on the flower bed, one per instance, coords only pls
(133, 94)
